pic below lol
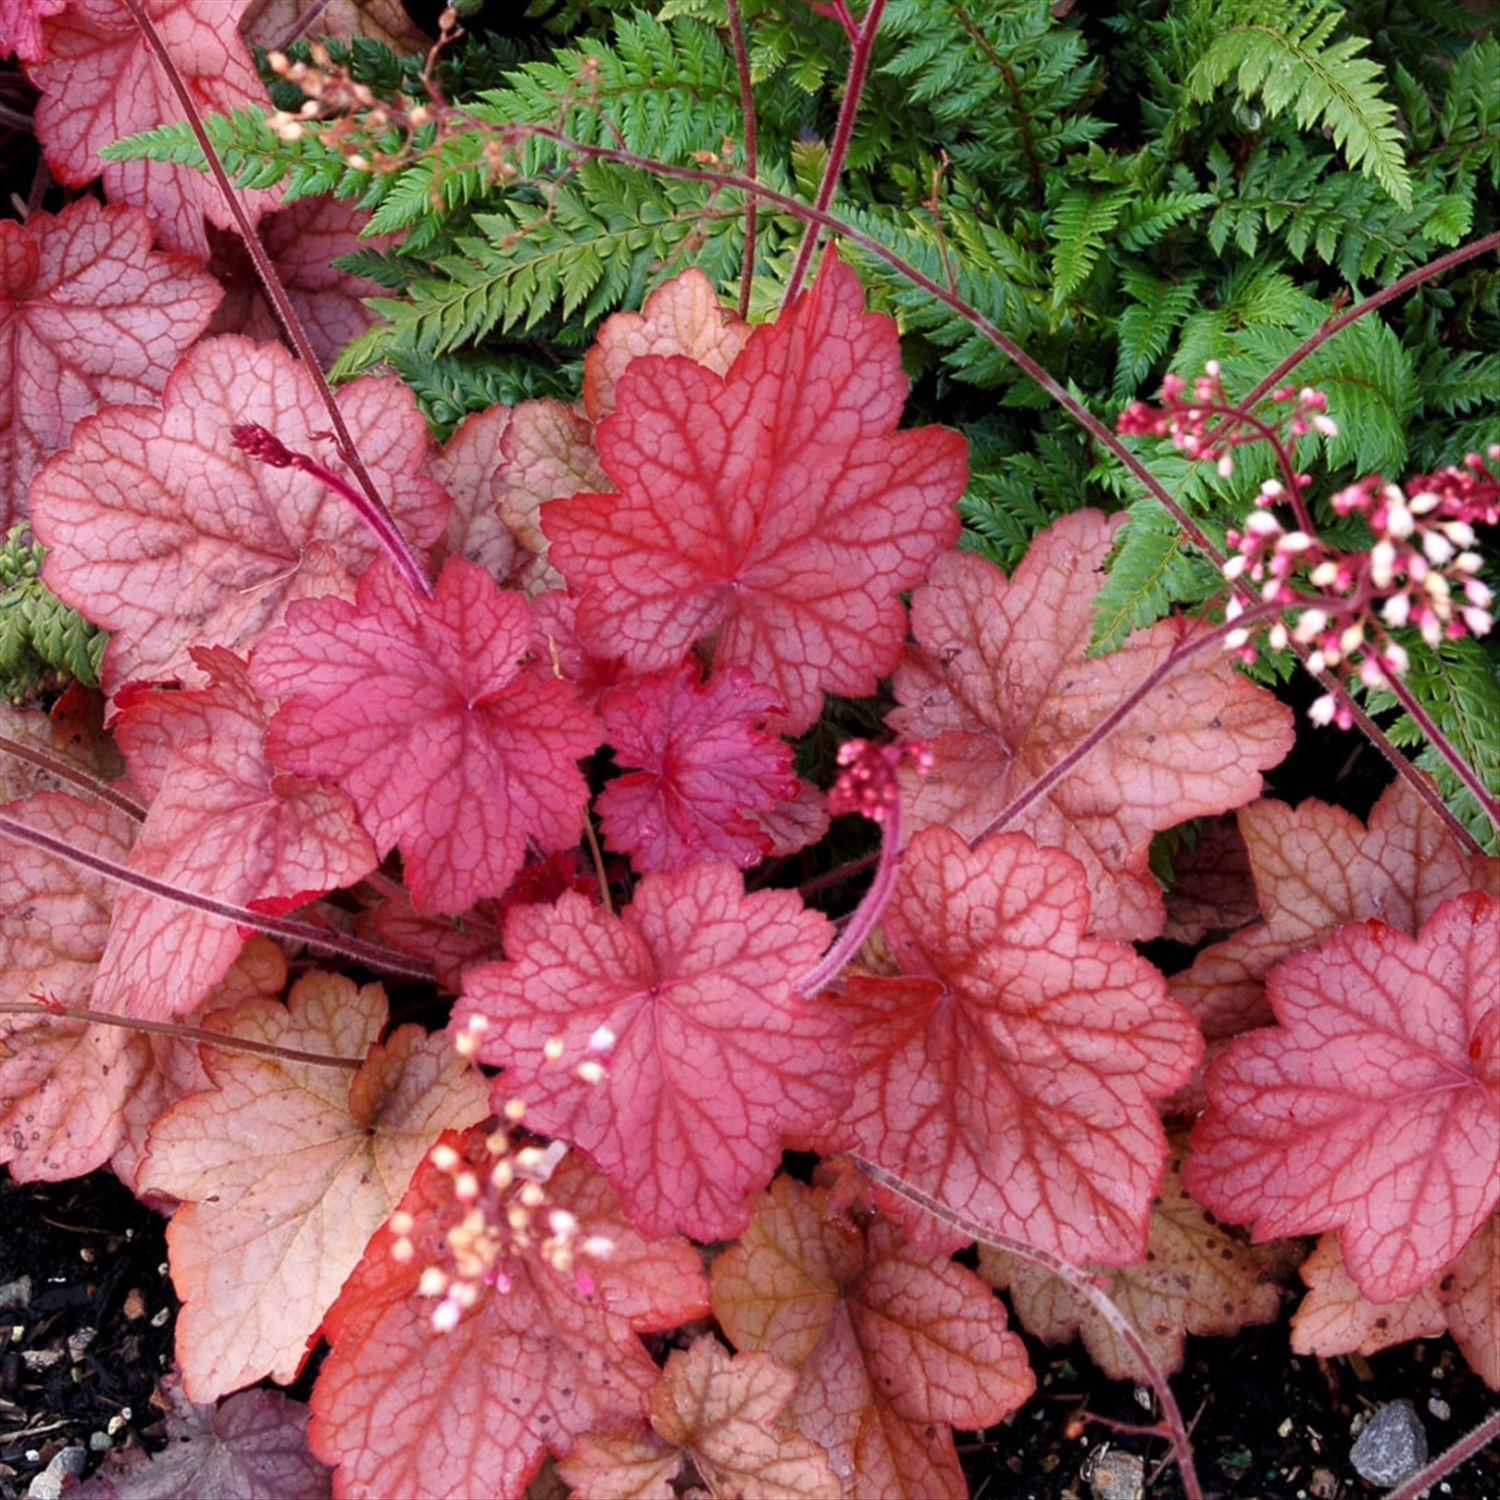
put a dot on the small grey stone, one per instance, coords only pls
(1115, 1475)
(1392, 1447)
(16, 1293)
(48, 1484)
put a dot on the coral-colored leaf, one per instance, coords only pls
(303, 240)
(163, 532)
(1317, 868)
(1001, 687)
(713, 1060)
(252, 1447)
(89, 314)
(1011, 1072)
(707, 767)
(406, 1410)
(890, 1345)
(222, 823)
(265, 1237)
(723, 1410)
(1197, 1277)
(100, 81)
(419, 710)
(775, 508)
(682, 316)
(1373, 1107)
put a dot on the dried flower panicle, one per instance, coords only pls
(503, 1217)
(1420, 569)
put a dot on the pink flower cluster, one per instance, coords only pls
(867, 785)
(1421, 569)
(1205, 425)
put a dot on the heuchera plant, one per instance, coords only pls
(511, 724)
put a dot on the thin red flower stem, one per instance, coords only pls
(1173, 1428)
(264, 268)
(66, 771)
(179, 1033)
(862, 47)
(1439, 741)
(1449, 1459)
(387, 960)
(747, 118)
(1111, 721)
(863, 918)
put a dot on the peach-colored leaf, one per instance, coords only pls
(100, 81)
(420, 711)
(163, 532)
(629, 1464)
(890, 1345)
(547, 452)
(277, 24)
(1212, 887)
(532, 1365)
(1001, 687)
(1197, 1277)
(223, 823)
(89, 314)
(62, 1083)
(1373, 1107)
(776, 509)
(1317, 868)
(266, 1235)
(711, 1058)
(1009, 1071)
(469, 469)
(682, 316)
(728, 1412)
(1335, 1317)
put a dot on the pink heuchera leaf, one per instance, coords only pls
(532, 1365)
(722, 1411)
(1001, 687)
(707, 767)
(100, 82)
(420, 711)
(775, 509)
(254, 1444)
(1373, 1107)
(303, 240)
(265, 1237)
(1010, 1074)
(163, 532)
(1317, 868)
(1197, 1277)
(890, 1345)
(89, 314)
(223, 823)
(682, 316)
(712, 1059)
(21, 27)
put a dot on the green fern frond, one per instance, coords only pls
(1152, 570)
(1080, 227)
(1281, 52)
(1156, 310)
(39, 634)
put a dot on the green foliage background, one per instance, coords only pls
(1121, 190)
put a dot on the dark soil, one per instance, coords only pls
(84, 1348)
